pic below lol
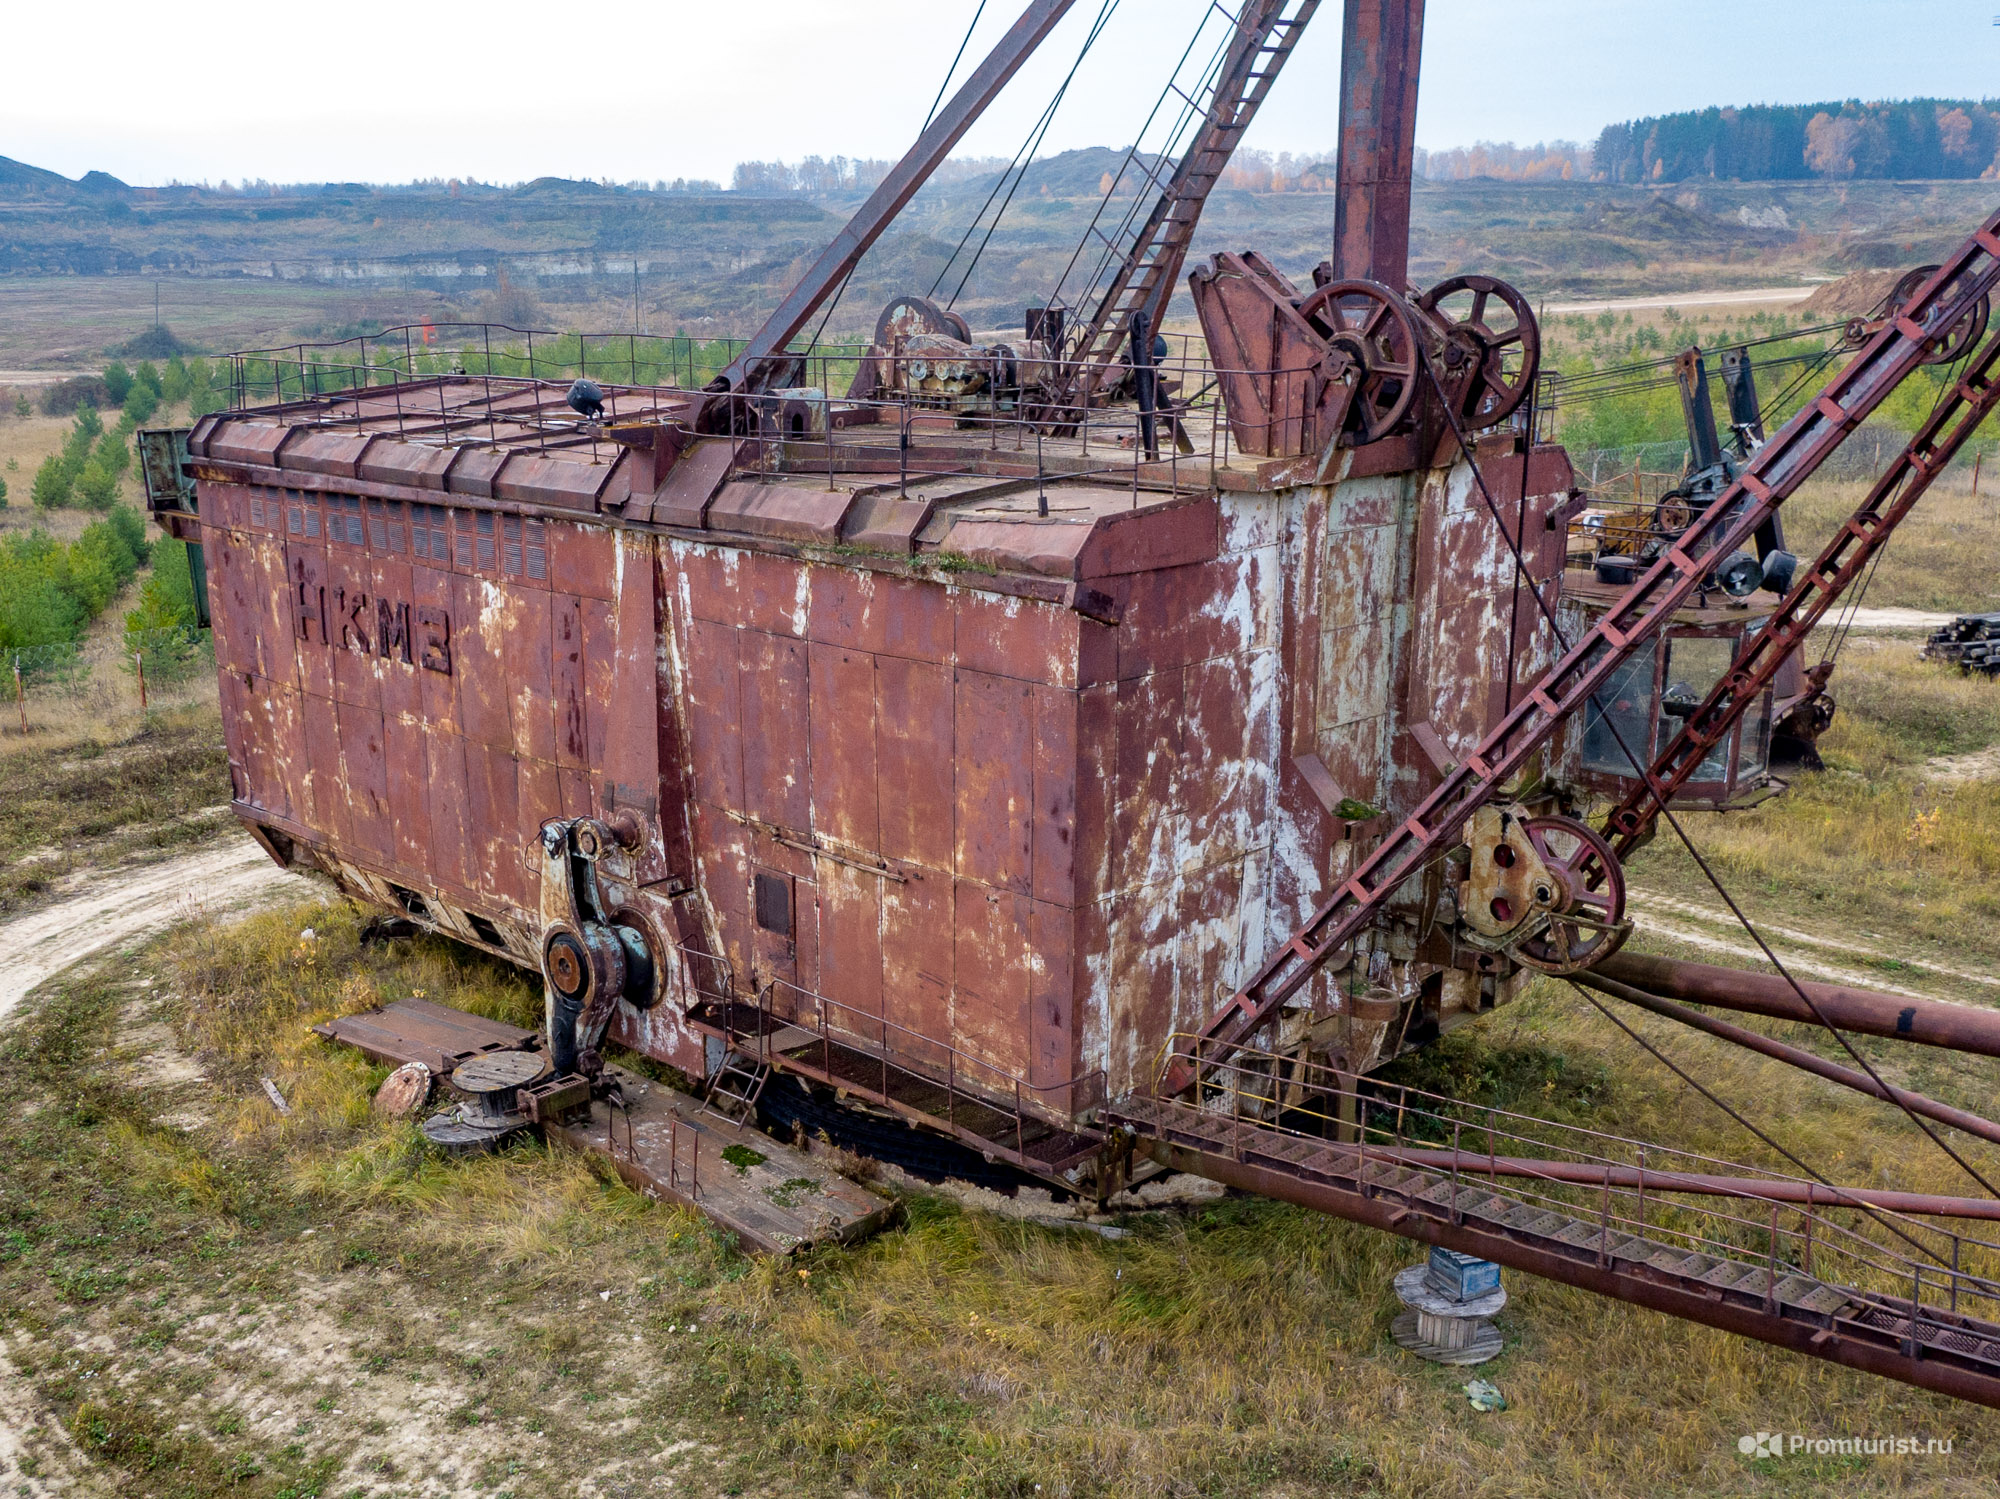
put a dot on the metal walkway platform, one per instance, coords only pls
(1768, 1298)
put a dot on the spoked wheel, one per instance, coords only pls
(1962, 335)
(1493, 343)
(906, 317)
(1379, 333)
(1585, 925)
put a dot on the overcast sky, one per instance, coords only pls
(365, 90)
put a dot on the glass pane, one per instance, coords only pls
(1693, 668)
(1625, 703)
(1753, 759)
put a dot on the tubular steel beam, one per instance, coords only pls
(896, 190)
(1645, 609)
(1380, 49)
(1392, 1215)
(1750, 1188)
(1927, 1022)
(1950, 425)
(1794, 1056)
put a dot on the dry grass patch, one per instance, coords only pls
(100, 791)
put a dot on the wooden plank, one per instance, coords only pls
(665, 1145)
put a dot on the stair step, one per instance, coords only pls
(1692, 1266)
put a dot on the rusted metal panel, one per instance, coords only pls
(600, 681)
(1184, 614)
(918, 954)
(842, 718)
(582, 560)
(1146, 831)
(883, 614)
(1163, 536)
(493, 805)
(631, 752)
(563, 482)
(417, 465)
(773, 694)
(994, 738)
(722, 852)
(914, 786)
(364, 777)
(1052, 834)
(433, 597)
(770, 594)
(1053, 983)
(1017, 638)
(566, 685)
(528, 641)
(714, 713)
(1226, 766)
(325, 792)
(1096, 790)
(397, 644)
(682, 500)
(479, 664)
(240, 441)
(850, 934)
(1052, 549)
(337, 454)
(406, 764)
(990, 1016)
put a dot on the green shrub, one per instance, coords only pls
(142, 402)
(114, 454)
(117, 381)
(3, 494)
(52, 484)
(49, 593)
(97, 486)
(163, 626)
(148, 375)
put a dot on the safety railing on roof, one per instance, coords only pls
(1624, 1186)
(463, 384)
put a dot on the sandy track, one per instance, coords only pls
(101, 908)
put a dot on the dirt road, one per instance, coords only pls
(98, 909)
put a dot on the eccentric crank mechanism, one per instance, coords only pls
(1531, 892)
(595, 950)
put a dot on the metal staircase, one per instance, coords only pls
(736, 1086)
(1266, 34)
(1746, 1267)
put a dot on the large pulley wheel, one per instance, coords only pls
(1493, 345)
(1962, 335)
(1379, 333)
(906, 317)
(1584, 926)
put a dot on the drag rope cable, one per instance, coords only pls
(1024, 158)
(952, 71)
(1660, 797)
(841, 290)
(1209, 79)
(1844, 622)
(1668, 1062)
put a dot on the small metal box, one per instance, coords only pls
(1462, 1277)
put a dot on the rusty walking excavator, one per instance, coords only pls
(1080, 753)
